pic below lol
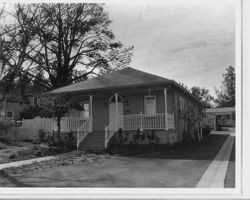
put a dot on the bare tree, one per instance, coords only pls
(14, 47)
(72, 41)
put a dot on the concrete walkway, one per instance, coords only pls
(25, 162)
(215, 174)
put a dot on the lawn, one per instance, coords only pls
(179, 166)
(11, 151)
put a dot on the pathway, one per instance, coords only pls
(25, 162)
(216, 172)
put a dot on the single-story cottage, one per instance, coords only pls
(220, 117)
(131, 102)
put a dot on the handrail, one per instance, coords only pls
(84, 129)
(108, 130)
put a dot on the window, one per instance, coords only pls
(233, 116)
(9, 114)
(182, 106)
(36, 101)
(150, 105)
(85, 112)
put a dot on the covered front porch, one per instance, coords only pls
(128, 111)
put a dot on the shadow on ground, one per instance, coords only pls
(230, 176)
(12, 180)
(205, 150)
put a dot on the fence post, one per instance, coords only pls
(52, 124)
(77, 141)
(166, 108)
(43, 124)
(106, 137)
(141, 125)
(173, 121)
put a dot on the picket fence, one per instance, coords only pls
(31, 127)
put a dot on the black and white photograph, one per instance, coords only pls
(116, 95)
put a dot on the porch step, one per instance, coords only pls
(93, 142)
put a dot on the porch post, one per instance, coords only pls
(166, 109)
(214, 122)
(90, 113)
(116, 111)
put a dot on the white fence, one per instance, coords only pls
(30, 127)
(139, 121)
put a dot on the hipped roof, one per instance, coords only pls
(127, 77)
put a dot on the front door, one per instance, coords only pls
(112, 110)
(150, 105)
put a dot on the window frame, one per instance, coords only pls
(12, 117)
(38, 101)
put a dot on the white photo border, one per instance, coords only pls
(242, 140)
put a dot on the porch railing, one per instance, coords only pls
(139, 121)
(82, 132)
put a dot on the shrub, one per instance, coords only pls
(188, 140)
(35, 111)
(51, 138)
(153, 138)
(41, 135)
(12, 156)
(206, 131)
(69, 139)
(2, 146)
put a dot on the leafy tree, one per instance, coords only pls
(65, 42)
(203, 95)
(58, 106)
(35, 111)
(226, 96)
(183, 86)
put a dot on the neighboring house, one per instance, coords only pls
(130, 100)
(11, 108)
(216, 117)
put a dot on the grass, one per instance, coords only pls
(16, 151)
(161, 166)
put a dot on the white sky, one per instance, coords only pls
(191, 43)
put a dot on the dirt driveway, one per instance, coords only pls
(180, 166)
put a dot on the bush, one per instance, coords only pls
(69, 139)
(206, 131)
(41, 135)
(187, 138)
(34, 111)
(2, 146)
(5, 125)
(12, 156)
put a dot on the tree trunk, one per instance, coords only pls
(59, 129)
